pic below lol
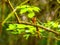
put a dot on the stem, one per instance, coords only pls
(9, 16)
(40, 26)
(13, 12)
(3, 13)
(9, 3)
(49, 39)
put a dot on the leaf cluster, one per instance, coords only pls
(30, 10)
(53, 25)
(27, 30)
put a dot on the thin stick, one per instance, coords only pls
(13, 12)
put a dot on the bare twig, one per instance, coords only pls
(9, 3)
(14, 11)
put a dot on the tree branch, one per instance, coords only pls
(40, 26)
(11, 6)
(14, 11)
(27, 23)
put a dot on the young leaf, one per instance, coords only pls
(58, 30)
(12, 27)
(55, 24)
(21, 26)
(20, 31)
(14, 32)
(41, 30)
(26, 36)
(27, 31)
(31, 14)
(24, 10)
(30, 9)
(58, 26)
(36, 9)
(24, 6)
(18, 7)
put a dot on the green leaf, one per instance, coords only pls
(58, 26)
(24, 6)
(14, 32)
(30, 9)
(20, 31)
(27, 31)
(31, 14)
(55, 25)
(11, 27)
(32, 29)
(26, 36)
(18, 7)
(36, 9)
(24, 10)
(41, 30)
(58, 30)
(21, 26)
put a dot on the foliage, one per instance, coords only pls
(27, 30)
(49, 8)
(28, 9)
(21, 28)
(23, 9)
(53, 25)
